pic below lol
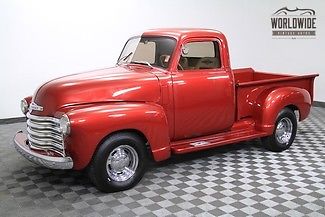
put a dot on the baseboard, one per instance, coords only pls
(12, 120)
(319, 104)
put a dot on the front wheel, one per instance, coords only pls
(284, 132)
(119, 162)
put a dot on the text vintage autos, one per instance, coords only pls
(172, 92)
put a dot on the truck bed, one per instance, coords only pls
(250, 84)
(248, 76)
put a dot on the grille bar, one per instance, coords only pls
(43, 139)
(43, 147)
(43, 126)
(44, 133)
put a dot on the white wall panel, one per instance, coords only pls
(41, 40)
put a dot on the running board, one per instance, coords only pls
(206, 142)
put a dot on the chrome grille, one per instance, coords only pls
(44, 133)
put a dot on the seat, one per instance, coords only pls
(183, 63)
(208, 63)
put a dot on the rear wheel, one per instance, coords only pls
(119, 162)
(284, 132)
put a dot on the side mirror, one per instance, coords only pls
(185, 50)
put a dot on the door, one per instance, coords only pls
(203, 91)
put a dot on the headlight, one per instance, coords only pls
(65, 124)
(24, 106)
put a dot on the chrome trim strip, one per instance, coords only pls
(42, 118)
(43, 160)
(45, 148)
(34, 106)
(41, 135)
(43, 126)
(199, 143)
(44, 142)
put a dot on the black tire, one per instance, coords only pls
(273, 142)
(99, 172)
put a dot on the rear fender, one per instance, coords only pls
(269, 103)
(91, 125)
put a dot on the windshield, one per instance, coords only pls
(152, 51)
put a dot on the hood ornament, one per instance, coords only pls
(35, 107)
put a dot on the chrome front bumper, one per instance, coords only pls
(21, 146)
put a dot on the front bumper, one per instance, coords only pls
(20, 142)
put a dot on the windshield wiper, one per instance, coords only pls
(124, 58)
(143, 63)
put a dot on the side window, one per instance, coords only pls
(200, 55)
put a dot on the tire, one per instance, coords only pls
(119, 163)
(284, 132)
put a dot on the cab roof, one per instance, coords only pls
(184, 32)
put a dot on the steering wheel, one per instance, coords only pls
(163, 63)
(162, 59)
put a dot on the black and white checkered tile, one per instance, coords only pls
(238, 180)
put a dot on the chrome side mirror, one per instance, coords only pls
(185, 50)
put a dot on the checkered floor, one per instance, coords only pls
(239, 180)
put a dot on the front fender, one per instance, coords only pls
(271, 102)
(91, 124)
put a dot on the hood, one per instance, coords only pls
(120, 83)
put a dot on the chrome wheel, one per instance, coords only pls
(283, 130)
(122, 163)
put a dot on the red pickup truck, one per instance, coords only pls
(172, 92)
